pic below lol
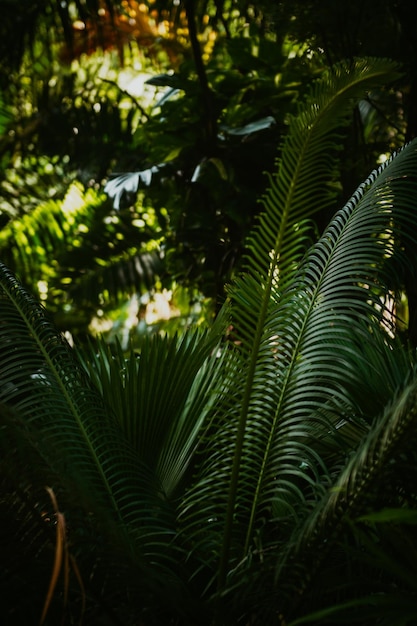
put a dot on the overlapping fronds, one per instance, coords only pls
(161, 396)
(302, 334)
(305, 179)
(369, 471)
(74, 250)
(262, 427)
(116, 436)
(64, 417)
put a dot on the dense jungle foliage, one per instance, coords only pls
(137, 139)
(208, 312)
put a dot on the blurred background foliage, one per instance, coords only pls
(136, 139)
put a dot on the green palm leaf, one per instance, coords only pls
(298, 332)
(76, 434)
(366, 473)
(79, 253)
(161, 396)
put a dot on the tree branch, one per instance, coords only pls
(206, 93)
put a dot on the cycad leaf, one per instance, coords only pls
(308, 167)
(75, 247)
(161, 396)
(333, 309)
(75, 431)
(392, 433)
(301, 187)
(309, 355)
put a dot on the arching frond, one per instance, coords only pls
(161, 396)
(263, 427)
(63, 420)
(307, 168)
(349, 497)
(306, 336)
(74, 251)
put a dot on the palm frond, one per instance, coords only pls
(79, 253)
(300, 363)
(330, 316)
(366, 473)
(264, 428)
(109, 281)
(161, 397)
(76, 434)
(307, 168)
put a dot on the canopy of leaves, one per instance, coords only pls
(177, 111)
